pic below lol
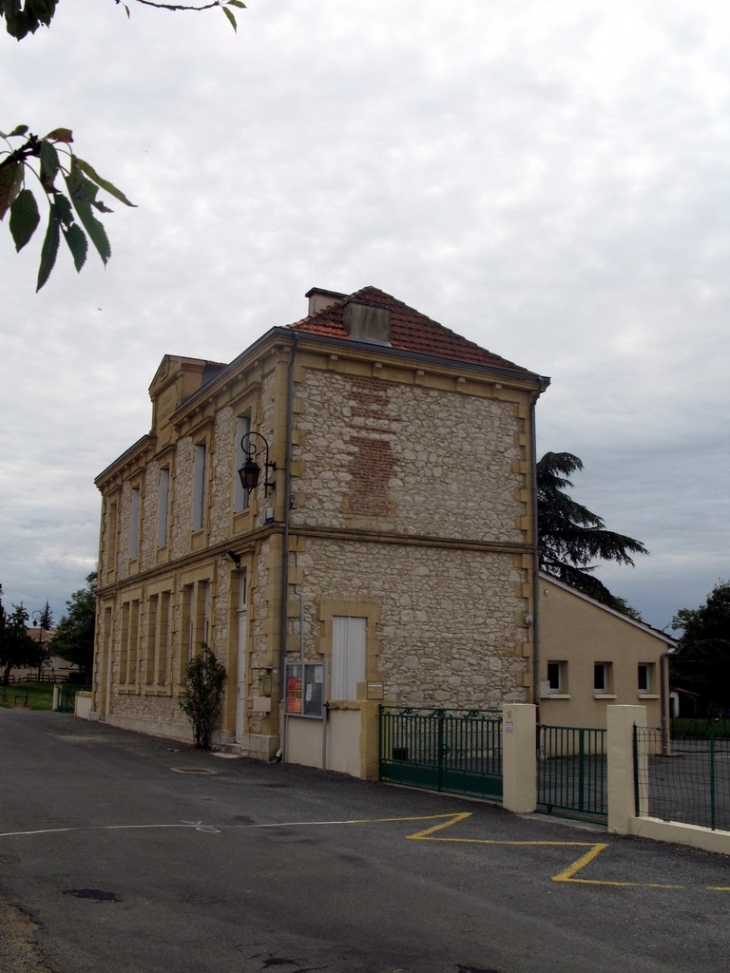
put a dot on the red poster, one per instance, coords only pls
(293, 695)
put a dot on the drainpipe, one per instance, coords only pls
(284, 597)
(664, 702)
(535, 555)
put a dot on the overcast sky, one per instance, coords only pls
(551, 180)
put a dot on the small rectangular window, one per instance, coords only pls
(163, 501)
(602, 677)
(645, 677)
(199, 486)
(556, 678)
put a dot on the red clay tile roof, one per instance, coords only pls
(410, 330)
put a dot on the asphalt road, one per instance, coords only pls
(120, 853)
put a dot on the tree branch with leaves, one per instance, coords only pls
(23, 17)
(71, 214)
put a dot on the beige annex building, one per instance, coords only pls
(592, 656)
(392, 547)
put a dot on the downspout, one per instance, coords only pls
(664, 702)
(535, 553)
(284, 596)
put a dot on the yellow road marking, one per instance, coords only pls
(568, 875)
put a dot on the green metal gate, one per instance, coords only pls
(453, 750)
(571, 770)
(67, 696)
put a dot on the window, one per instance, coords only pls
(348, 656)
(196, 621)
(556, 678)
(240, 496)
(134, 524)
(602, 677)
(646, 678)
(163, 501)
(199, 486)
(111, 546)
(158, 638)
(164, 628)
(152, 606)
(129, 642)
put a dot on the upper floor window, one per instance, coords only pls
(134, 523)
(240, 496)
(199, 477)
(163, 503)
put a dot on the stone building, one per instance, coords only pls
(389, 543)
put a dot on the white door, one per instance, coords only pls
(241, 667)
(348, 656)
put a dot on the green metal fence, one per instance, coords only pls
(67, 695)
(689, 783)
(453, 750)
(571, 770)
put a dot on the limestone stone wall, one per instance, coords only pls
(451, 623)
(419, 460)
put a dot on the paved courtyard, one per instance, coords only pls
(120, 853)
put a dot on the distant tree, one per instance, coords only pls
(571, 536)
(44, 620)
(74, 636)
(17, 648)
(702, 664)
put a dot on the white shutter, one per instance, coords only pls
(348, 656)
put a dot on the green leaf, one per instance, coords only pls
(18, 130)
(11, 179)
(49, 251)
(24, 218)
(231, 18)
(49, 164)
(101, 206)
(235, 3)
(104, 183)
(60, 135)
(63, 209)
(77, 244)
(83, 193)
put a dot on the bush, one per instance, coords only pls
(201, 698)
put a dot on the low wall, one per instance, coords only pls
(681, 834)
(82, 705)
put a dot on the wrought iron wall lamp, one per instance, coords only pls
(251, 471)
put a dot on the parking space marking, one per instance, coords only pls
(434, 833)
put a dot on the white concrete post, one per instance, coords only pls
(519, 765)
(620, 758)
(56, 693)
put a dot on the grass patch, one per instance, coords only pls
(33, 695)
(27, 695)
(700, 728)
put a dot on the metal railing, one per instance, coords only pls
(454, 750)
(571, 770)
(690, 784)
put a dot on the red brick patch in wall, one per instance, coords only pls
(371, 468)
